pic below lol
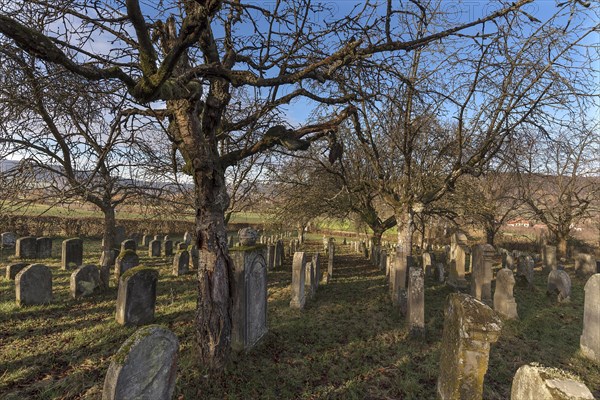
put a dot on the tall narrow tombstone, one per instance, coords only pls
(456, 277)
(249, 315)
(33, 285)
(549, 256)
(316, 262)
(181, 261)
(43, 247)
(13, 269)
(310, 280)
(126, 260)
(72, 253)
(270, 256)
(382, 260)
(194, 256)
(154, 248)
(559, 285)
(298, 277)
(504, 300)
(428, 263)
(146, 240)
(26, 247)
(136, 297)
(534, 382)
(145, 367)
(84, 281)
(330, 260)
(278, 260)
(440, 273)
(168, 244)
(481, 277)
(590, 338)
(416, 301)
(8, 240)
(398, 279)
(470, 327)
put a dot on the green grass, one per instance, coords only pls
(349, 342)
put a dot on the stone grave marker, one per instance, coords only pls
(428, 263)
(470, 327)
(504, 300)
(440, 273)
(128, 244)
(559, 284)
(8, 240)
(270, 257)
(33, 285)
(458, 268)
(72, 253)
(298, 277)
(145, 367)
(154, 248)
(330, 260)
(549, 257)
(168, 247)
(194, 256)
(481, 276)
(316, 262)
(585, 264)
(136, 297)
(382, 260)
(146, 240)
(311, 287)
(416, 301)
(26, 247)
(181, 261)
(84, 281)
(125, 261)
(590, 338)
(534, 382)
(13, 269)
(249, 314)
(120, 233)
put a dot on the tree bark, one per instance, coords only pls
(490, 235)
(108, 238)
(561, 240)
(404, 218)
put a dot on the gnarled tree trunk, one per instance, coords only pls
(108, 238)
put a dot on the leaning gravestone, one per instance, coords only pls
(559, 284)
(34, 285)
(470, 327)
(298, 277)
(181, 261)
(249, 313)
(13, 269)
(126, 260)
(72, 253)
(145, 367)
(136, 297)
(590, 338)
(26, 247)
(504, 300)
(533, 382)
(84, 281)
(8, 240)
(154, 248)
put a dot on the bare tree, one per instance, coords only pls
(189, 55)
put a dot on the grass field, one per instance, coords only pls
(349, 342)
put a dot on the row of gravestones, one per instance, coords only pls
(30, 247)
(306, 275)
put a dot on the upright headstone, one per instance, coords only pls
(316, 262)
(84, 281)
(145, 367)
(154, 248)
(168, 247)
(298, 278)
(590, 338)
(428, 263)
(310, 280)
(416, 301)
(481, 277)
(26, 247)
(187, 238)
(440, 273)
(128, 244)
(33, 285)
(559, 285)
(549, 257)
(504, 300)
(525, 266)
(72, 253)
(470, 327)
(8, 240)
(534, 382)
(194, 256)
(585, 264)
(181, 261)
(249, 315)
(330, 260)
(136, 297)
(270, 256)
(458, 268)
(146, 240)
(120, 233)
(126, 260)
(382, 260)
(278, 260)
(399, 281)
(13, 269)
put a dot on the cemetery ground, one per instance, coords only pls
(348, 343)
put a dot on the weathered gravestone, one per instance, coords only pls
(72, 253)
(416, 301)
(168, 244)
(470, 327)
(84, 281)
(13, 269)
(249, 314)
(247, 236)
(154, 248)
(440, 273)
(129, 244)
(145, 367)
(533, 382)
(316, 262)
(330, 258)
(120, 233)
(270, 256)
(136, 297)
(525, 266)
(187, 238)
(298, 277)
(456, 276)
(8, 240)
(559, 284)
(194, 256)
(33, 285)
(126, 260)
(278, 260)
(549, 257)
(26, 247)
(427, 263)
(310, 280)
(585, 264)
(181, 261)
(382, 259)
(481, 275)
(590, 338)
(504, 300)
